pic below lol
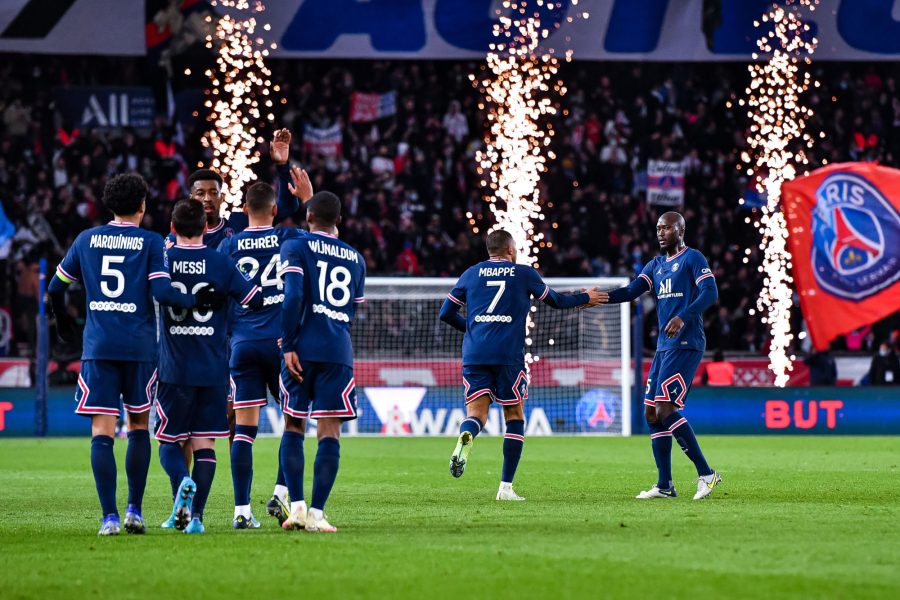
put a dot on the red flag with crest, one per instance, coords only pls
(844, 235)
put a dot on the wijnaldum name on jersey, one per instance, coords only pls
(117, 242)
(320, 247)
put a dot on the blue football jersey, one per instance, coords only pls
(115, 263)
(257, 253)
(497, 295)
(333, 277)
(193, 341)
(676, 282)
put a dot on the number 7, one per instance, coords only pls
(496, 284)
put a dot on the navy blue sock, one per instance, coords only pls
(473, 425)
(204, 472)
(513, 442)
(291, 463)
(325, 471)
(137, 465)
(171, 457)
(661, 442)
(684, 434)
(242, 462)
(279, 479)
(103, 463)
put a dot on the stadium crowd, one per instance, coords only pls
(408, 181)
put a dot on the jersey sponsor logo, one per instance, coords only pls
(665, 290)
(107, 306)
(191, 330)
(337, 315)
(322, 247)
(258, 243)
(276, 299)
(497, 272)
(493, 319)
(189, 267)
(117, 242)
(852, 224)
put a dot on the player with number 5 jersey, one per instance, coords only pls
(122, 269)
(324, 279)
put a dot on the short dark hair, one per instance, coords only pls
(260, 198)
(498, 241)
(205, 175)
(124, 193)
(326, 207)
(188, 218)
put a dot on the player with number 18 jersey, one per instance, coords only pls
(324, 280)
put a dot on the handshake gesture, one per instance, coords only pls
(595, 297)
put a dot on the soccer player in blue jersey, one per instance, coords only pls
(193, 367)
(684, 288)
(207, 186)
(497, 295)
(324, 280)
(255, 361)
(122, 268)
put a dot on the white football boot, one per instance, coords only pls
(706, 484)
(506, 492)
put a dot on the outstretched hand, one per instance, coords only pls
(280, 147)
(300, 185)
(595, 297)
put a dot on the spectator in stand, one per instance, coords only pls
(885, 368)
(719, 372)
(822, 368)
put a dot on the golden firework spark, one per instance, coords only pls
(520, 86)
(238, 95)
(777, 143)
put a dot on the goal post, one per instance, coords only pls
(408, 365)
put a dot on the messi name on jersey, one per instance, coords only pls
(853, 225)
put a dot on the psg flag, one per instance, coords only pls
(844, 235)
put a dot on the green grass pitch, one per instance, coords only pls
(805, 517)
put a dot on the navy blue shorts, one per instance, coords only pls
(328, 391)
(505, 384)
(255, 366)
(671, 375)
(188, 411)
(105, 385)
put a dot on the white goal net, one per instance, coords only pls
(408, 364)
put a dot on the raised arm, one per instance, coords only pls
(294, 185)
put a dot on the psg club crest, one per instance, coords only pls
(597, 410)
(856, 238)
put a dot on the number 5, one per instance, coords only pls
(496, 284)
(107, 271)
